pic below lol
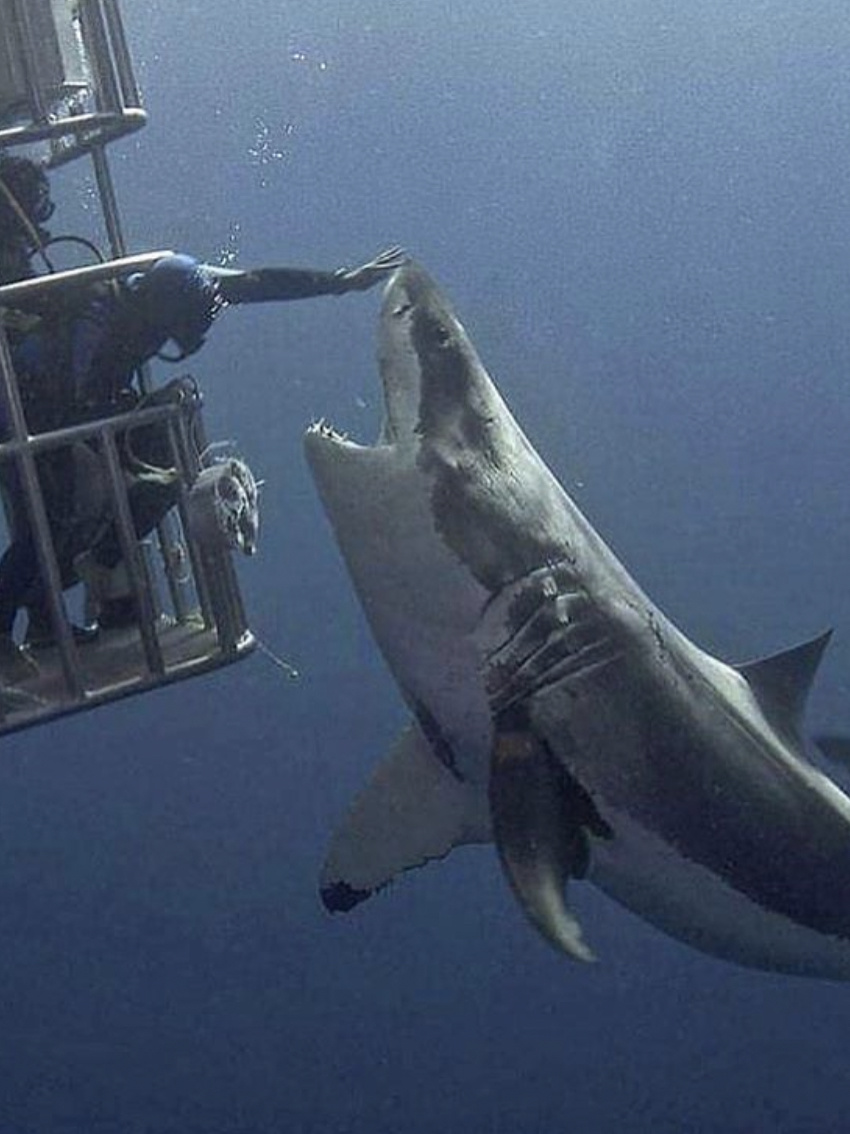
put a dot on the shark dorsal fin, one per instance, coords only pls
(781, 682)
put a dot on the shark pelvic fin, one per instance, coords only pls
(781, 682)
(411, 811)
(539, 833)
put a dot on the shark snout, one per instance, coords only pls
(417, 328)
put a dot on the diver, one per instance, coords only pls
(77, 358)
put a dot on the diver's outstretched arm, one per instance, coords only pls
(275, 285)
(367, 275)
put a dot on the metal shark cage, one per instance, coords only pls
(67, 85)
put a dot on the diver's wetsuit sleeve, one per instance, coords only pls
(274, 285)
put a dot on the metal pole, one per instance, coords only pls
(42, 537)
(121, 54)
(109, 202)
(220, 596)
(101, 127)
(87, 430)
(108, 97)
(132, 555)
(96, 38)
(188, 472)
(171, 533)
(22, 292)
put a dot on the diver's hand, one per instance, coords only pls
(367, 275)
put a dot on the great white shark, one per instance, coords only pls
(556, 710)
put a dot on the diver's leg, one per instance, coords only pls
(103, 567)
(18, 568)
(72, 524)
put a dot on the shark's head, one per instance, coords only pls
(398, 357)
(436, 392)
(383, 500)
(433, 382)
(448, 446)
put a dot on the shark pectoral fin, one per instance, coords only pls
(539, 836)
(411, 811)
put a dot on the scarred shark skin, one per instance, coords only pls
(557, 710)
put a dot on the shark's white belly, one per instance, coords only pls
(422, 604)
(694, 904)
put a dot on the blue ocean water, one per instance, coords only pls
(641, 210)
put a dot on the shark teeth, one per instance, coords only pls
(325, 429)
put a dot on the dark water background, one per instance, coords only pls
(641, 209)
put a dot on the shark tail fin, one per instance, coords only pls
(413, 810)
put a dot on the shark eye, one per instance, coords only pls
(402, 309)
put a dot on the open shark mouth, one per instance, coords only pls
(324, 430)
(421, 344)
(400, 373)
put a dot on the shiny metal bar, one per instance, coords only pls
(108, 201)
(121, 54)
(106, 89)
(170, 533)
(21, 292)
(43, 539)
(102, 128)
(86, 430)
(132, 555)
(188, 466)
